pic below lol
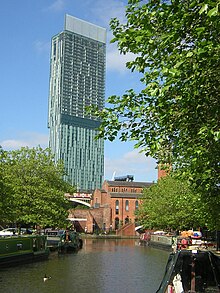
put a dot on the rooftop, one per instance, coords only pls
(129, 183)
(85, 28)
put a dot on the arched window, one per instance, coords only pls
(127, 220)
(136, 204)
(117, 207)
(116, 223)
(127, 205)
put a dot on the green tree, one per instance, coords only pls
(171, 204)
(34, 188)
(176, 117)
(6, 201)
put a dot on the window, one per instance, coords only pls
(114, 189)
(127, 220)
(116, 223)
(136, 204)
(116, 207)
(127, 205)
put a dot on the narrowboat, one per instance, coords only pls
(15, 250)
(191, 271)
(54, 238)
(70, 242)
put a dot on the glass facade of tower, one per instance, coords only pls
(77, 80)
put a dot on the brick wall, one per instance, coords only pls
(96, 219)
(123, 215)
(163, 171)
(127, 230)
(100, 198)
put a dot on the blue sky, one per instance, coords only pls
(26, 29)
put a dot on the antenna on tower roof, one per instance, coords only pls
(113, 175)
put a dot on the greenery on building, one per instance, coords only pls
(175, 118)
(32, 189)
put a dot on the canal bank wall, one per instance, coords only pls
(156, 241)
(107, 236)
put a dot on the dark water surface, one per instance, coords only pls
(102, 266)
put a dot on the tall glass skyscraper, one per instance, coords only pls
(77, 80)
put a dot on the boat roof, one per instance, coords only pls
(207, 269)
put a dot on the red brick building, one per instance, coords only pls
(123, 198)
(163, 170)
(112, 207)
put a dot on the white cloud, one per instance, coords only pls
(27, 139)
(116, 61)
(135, 156)
(57, 5)
(105, 10)
(133, 163)
(42, 46)
(11, 144)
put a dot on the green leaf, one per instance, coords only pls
(217, 135)
(189, 54)
(204, 8)
(213, 11)
(177, 65)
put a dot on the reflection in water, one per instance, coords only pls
(102, 266)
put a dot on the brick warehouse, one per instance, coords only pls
(112, 207)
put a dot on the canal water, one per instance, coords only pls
(101, 266)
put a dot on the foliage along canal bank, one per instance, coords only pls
(172, 204)
(175, 118)
(32, 189)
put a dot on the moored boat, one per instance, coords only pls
(17, 250)
(70, 242)
(157, 239)
(191, 271)
(53, 238)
